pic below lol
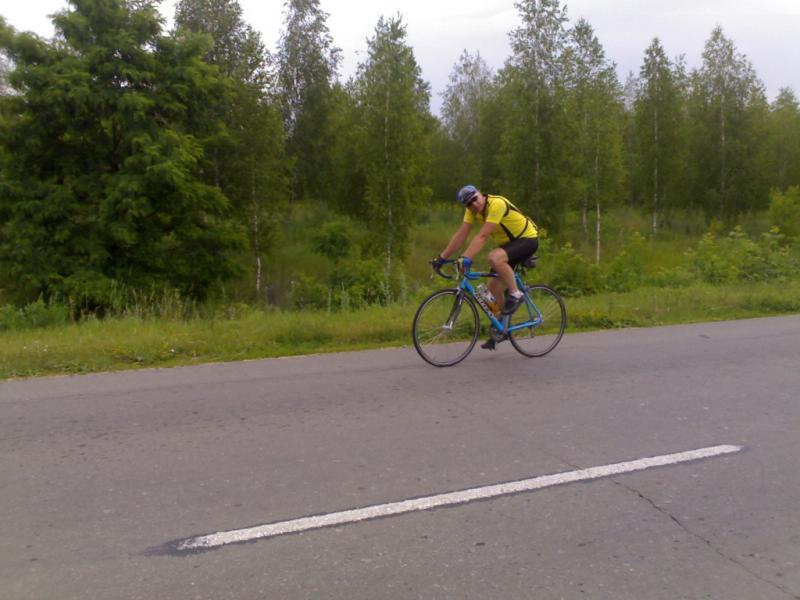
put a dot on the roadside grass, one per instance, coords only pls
(135, 342)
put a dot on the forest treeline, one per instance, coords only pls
(136, 158)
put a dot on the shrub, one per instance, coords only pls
(334, 240)
(626, 271)
(676, 277)
(308, 292)
(10, 318)
(353, 284)
(571, 274)
(784, 211)
(738, 258)
(34, 315)
(360, 283)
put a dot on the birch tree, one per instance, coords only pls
(728, 124)
(659, 132)
(307, 69)
(530, 86)
(595, 102)
(784, 141)
(249, 164)
(393, 103)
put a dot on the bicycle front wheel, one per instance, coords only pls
(445, 328)
(545, 310)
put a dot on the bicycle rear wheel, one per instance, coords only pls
(546, 309)
(445, 328)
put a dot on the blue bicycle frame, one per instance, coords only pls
(502, 326)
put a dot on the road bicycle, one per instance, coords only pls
(446, 325)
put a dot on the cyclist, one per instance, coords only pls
(515, 235)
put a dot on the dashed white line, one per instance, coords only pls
(214, 540)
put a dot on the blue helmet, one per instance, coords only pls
(465, 194)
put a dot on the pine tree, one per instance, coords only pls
(395, 116)
(102, 189)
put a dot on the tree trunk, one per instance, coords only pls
(585, 207)
(387, 175)
(655, 171)
(597, 198)
(597, 235)
(585, 216)
(256, 243)
(722, 190)
(536, 158)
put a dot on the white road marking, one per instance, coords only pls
(205, 542)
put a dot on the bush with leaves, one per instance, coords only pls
(308, 292)
(626, 271)
(736, 257)
(784, 211)
(334, 240)
(33, 315)
(360, 283)
(571, 274)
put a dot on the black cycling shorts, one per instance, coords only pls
(520, 249)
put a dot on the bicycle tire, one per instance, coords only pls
(437, 342)
(538, 340)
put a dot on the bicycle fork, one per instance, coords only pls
(448, 325)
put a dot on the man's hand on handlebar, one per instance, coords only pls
(464, 263)
(437, 263)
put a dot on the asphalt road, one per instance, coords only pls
(99, 473)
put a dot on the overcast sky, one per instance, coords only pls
(766, 31)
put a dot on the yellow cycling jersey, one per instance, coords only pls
(512, 224)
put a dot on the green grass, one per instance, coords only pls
(130, 343)
(164, 331)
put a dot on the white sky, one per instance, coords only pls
(438, 30)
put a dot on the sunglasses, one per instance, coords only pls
(472, 201)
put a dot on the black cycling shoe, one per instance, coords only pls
(512, 304)
(489, 344)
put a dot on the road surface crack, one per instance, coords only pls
(710, 544)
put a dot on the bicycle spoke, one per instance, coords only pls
(445, 328)
(549, 316)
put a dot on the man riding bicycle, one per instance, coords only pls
(515, 235)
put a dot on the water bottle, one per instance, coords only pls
(484, 294)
